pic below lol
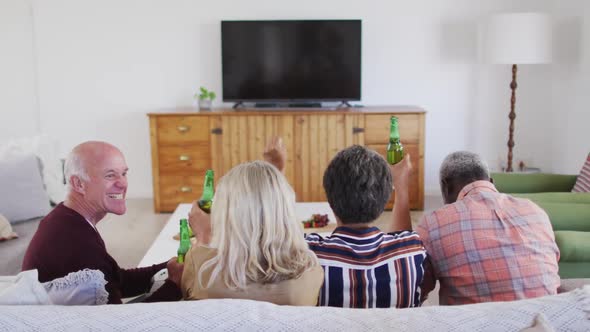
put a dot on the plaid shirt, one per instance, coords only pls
(489, 246)
(366, 268)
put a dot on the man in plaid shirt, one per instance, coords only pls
(483, 245)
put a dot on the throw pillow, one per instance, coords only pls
(85, 287)
(6, 232)
(583, 181)
(47, 150)
(22, 195)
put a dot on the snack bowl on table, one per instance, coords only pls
(316, 221)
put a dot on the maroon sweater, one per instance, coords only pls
(65, 242)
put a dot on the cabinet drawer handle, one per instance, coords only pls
(183, 128)
(186, 189)
(184, 157)
(356, 130)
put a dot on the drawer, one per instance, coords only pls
(183, 129)
(176, 189)
(414, 189)
(377, 128)
(186, 159)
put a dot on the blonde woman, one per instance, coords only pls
(252, 246)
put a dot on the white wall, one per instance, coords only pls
(18, 93)
(103, 64)
(571, 102)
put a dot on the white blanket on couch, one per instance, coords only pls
(565, 312)
(23, 289)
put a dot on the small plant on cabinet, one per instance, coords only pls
(206, 97)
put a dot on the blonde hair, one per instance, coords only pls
(254, 229)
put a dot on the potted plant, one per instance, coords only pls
(205, 97)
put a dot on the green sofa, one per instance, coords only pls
(569, 213)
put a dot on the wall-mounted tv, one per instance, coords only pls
(283, 61)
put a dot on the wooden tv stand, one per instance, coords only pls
(186, 142)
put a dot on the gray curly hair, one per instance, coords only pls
(464, 167)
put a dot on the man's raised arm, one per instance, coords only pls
(275, 153)
(400, 172)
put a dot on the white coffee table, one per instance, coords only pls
(164, 246)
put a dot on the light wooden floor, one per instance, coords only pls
(128, 237)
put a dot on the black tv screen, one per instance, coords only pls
(311, 60)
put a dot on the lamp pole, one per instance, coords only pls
(511, 116)
(517, 38)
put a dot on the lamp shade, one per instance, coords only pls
(518, 38)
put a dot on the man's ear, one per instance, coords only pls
(77, 184)
(444, 187)
(449, 191)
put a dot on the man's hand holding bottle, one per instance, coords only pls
(175, 270)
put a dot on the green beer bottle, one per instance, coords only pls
(207, 197)
(185, 242)
(395, 149)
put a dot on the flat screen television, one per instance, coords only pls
(291, 61)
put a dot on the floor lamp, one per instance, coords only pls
(517, 38)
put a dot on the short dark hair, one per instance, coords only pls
(357, 184)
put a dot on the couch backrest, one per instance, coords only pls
(533, 183)
(568, 311)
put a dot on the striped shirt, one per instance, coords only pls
(489, 246)
(366, 268)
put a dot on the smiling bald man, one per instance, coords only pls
(67, 240)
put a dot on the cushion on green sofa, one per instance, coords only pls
(573, 246)
(571, 270)
(567, 216)
(557, 197)
(533, 183)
